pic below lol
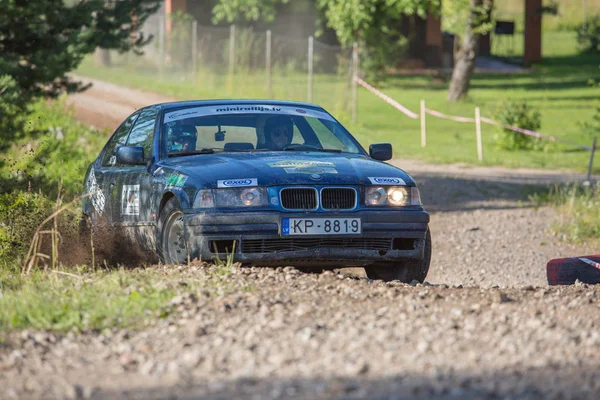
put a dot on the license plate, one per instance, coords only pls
(320, 226)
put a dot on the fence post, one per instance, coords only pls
(161, 44)
(478, 129)
(268, 64)
(589, 174)
(310, 68)
(423, 125)
(194, 49)
(231, 49)
(354, 83)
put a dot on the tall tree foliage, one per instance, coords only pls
(245, 10)
(478, 23)
(375, 24)
(42, 40)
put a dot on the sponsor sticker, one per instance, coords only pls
(130, 200)
(310, 170)
(227, 183)
(175, 180)
(300, 164)
(590, 262)
(194, 112)
(387, 181)
(96, 195)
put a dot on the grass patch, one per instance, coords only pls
(559, 90)
(579, 208)
(84, 299)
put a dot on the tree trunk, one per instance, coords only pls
(102, 57)
(465, 58)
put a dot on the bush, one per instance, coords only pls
(588, 35)
(20, 215)
(53, 150)
(60, 153)
(522, 115)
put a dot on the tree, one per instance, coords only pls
(374, 24)
(42, 40)
(245, 10)
(477, 24)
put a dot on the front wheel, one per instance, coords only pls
(172, 246)
(404, 271)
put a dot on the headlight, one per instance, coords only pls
(231, 197)
(392, 196)
(204, 199)
(376, 196)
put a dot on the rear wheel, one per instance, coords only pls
(406, 271)
(172, 246)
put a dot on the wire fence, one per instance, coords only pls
(241, 62)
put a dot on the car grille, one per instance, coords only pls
(338, 198)
(299, 198)
(299, 244)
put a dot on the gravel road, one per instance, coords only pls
(305, 336)
(486, 326)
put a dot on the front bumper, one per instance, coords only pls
(386, 236)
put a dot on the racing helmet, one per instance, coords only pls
(183, 137)
(279, 132)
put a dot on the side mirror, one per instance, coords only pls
(131, 155)
(381, 151)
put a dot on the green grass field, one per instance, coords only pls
(559, 88)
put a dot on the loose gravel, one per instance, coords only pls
(282, 333)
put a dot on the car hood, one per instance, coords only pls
(289, 168)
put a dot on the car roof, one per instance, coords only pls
(222, 102)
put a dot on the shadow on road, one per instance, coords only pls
(547, 382)
(443, 193)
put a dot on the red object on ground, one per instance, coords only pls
(565, 271)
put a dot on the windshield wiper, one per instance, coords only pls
(207, 150)
(309, 147)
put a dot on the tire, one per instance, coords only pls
(406, 271)
(171, 243)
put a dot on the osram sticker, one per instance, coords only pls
(387, 181)
(130, 200)
(229, 183)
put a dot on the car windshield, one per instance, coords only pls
(239, 128)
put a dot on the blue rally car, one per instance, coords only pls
(271, 182)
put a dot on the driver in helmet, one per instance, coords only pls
(183, 138)
(279, 132)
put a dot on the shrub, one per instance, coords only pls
(522, 115)
(53, 150)
(60, 152)
(20, 215)
(588, 34)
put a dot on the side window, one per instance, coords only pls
(142, 133)
(119, 138)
